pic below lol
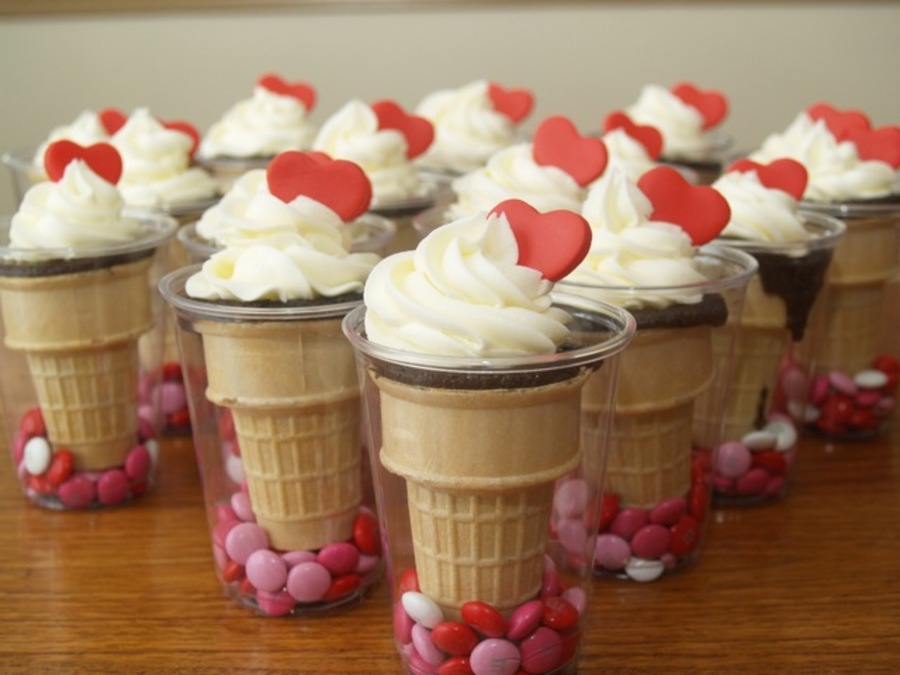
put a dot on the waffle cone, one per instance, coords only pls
(80, 333)
(480, 467)
(661, 375)
(294, 397)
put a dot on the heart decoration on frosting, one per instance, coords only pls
(841, 123)
(787, 175)
(516, 104)
(648, 136)
(186, 128)
(102, 158)
(558, 143)
(339, 184)
(553, 243)
(699, 210)
(301, 91)
(112, 119)
(881, 144)
(418, 131)
(710, 103)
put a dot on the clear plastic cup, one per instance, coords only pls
(705, 171)
(23, 171)
(488, 477)
(82, 353)
(853, 386)
(276, 417)
(759, 442)
(673, 382)
(402, 212)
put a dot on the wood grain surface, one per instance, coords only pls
(807, 585)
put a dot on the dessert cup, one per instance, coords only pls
(777, 308)
(843, 340)
(487, 476)
(226, 170)
(83, 328)
(707, 170)
(657, 474)
(23, 171)
(276, 422)
(369, 233)
(402, 212)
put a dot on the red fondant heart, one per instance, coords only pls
(102, 158)
(711, 104)
(112, 119)
(787, 175)
(841, 123)
(186, 128)
(558, 143)
(881, 144)
(418, 131)
(646, 135)
(553, 243)
(303, 92)
(699, 210)
(516, 104)
(339, 184)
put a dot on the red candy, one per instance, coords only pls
(409, 581)
(458, 665)
(112, 487)
(365, 534)
(484, 619)
(454, 638)
(559, 614)
(343, 585)
(772, 461)
(32, 423)
(608, 509)
(61, 467)
(685, 536)
(232, 571)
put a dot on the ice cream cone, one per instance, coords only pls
(80, 332)
(662, 374)
(292, 389)
(480, 467)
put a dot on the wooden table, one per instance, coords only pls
(807, 585)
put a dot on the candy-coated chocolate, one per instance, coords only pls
(628, 521)
(612, 552)
(409, 581)
(525, 619)
(572, 534)
(571, 498)
(292, 558)
(454, 638)
(871, 378)
(484, 619)
(640, 569)
(423, 609)
(78, 492)
(367, 563)
(37, 456)
(403, 624)
(138, 463)
(668, 511)
(458, 665)
(685, 536)
(842, 383)
(609, 507)
(275, 604)
(651, 541)
(172, 397)
(240, 503)
(365, 534)
(308, 582)
(266, 570)
(558, 613)
(541, 651)
(752, 483)
(339, 558)
(550, 578)
(774, 462)
(785, 433)
(232, 571)
(32, 423)
(62, 465)
(577, 597)
(343, 585)
(762, 439)
(733, 459)
(243, 539)
(112, 487)
(425, 647)
(495, 657)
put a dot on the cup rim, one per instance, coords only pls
(618, 321)
(827, 231)
(859, 209)
(171, 286)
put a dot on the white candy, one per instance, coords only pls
(870, 379)
(153, 450)
(760, 440)
(37, 455)
(422, 609)
(641, 569)
(802, 411)
(234, 467)
(786, 434)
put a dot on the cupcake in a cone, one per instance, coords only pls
(263, 316)
(473, 372)
(76, 280)
(646, 256)
(854, 175)
(794, 250)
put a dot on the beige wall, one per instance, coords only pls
(581, 60)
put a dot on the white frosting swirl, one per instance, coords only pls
(262, 126)
(512, 173)
(461, 293)
(638, 262)
(250, 212)
(79, 212)
(836, 172)
(467, 128)
(627, 153)
(352, 133)
(156, 165)
(85, 130)
(681, 125)
(759, 213)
